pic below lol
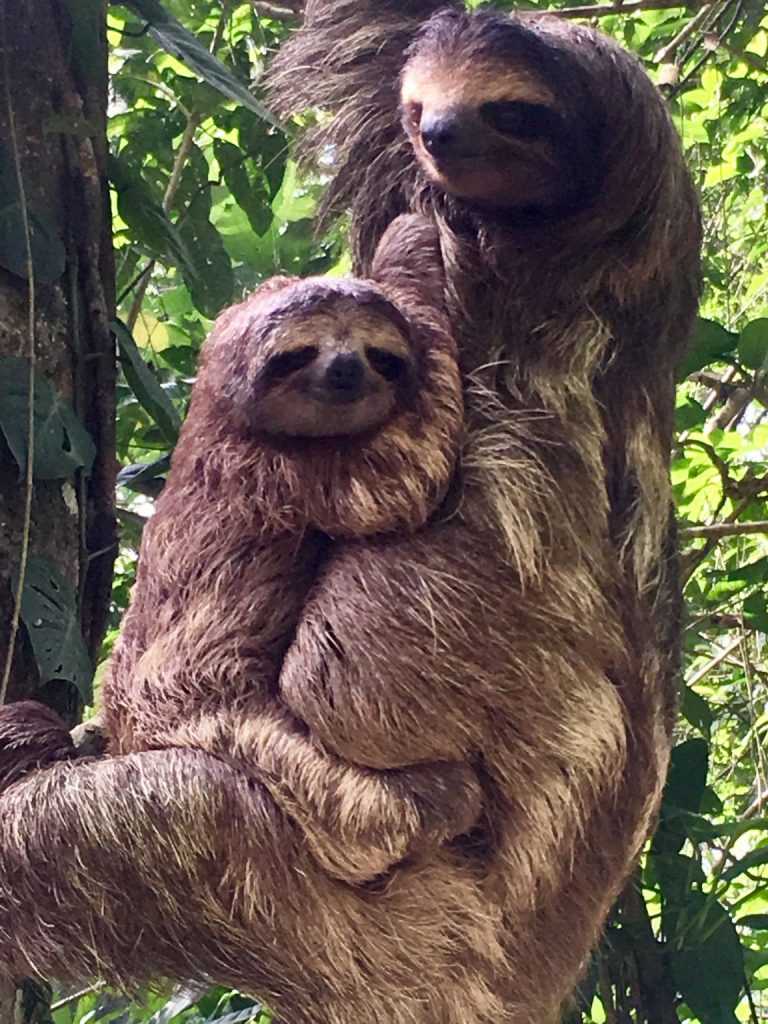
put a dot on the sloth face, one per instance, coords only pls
(334, 372)
(486, 122)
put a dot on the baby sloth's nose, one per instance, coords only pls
(441, 133)
(344, 377)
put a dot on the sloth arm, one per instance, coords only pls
(388, 665)
(207, 681)
(157, 864)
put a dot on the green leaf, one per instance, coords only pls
(249, 189)
(145, 216)
(708, 963)
(50, 617)
(696, 710)
(753, 344)
(145, 477)
(62, 444)
(687, 775)
(754, 859)
(757, 922)
(211, 283)
(684, 790)
(755, 609)
(180, 42)
(711, 341)
(267, 146)
(145, 385)
(49, 257)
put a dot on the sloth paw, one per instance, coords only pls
(448, 798)
(31, 736)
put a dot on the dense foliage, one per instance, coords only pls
(208, 203)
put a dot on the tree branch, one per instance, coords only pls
(604, 10)
(726, 529)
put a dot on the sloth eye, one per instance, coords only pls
(286, 363)
(389, 366)
(414, 112)
(521, 120)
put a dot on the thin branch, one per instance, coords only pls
(688, 29)
(75, 996)
(275, 11)
(713, 662)
(605, 10)
(32, 355)
(726, 529)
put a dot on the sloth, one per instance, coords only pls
(570, 233)
(521, 638)
(324, 409)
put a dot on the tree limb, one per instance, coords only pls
(604, 10)
(726, 529)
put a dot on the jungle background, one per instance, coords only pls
(206, 203)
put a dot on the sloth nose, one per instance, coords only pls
(344, 376)
(446, 134)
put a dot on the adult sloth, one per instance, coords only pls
(570, 232)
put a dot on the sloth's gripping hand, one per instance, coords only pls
(358, 822)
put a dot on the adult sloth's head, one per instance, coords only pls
(502, 114)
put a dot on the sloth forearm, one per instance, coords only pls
(118, 841)
(358, 822)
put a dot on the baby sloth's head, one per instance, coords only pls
(324, 359)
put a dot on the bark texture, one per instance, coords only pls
(53, 74)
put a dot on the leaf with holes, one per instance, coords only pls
(62, 444)
(49, 614)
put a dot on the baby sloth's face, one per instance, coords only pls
(333, 372)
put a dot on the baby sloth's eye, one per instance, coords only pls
(414, 112)
(389, 366)
(519, 119)
(286, 363)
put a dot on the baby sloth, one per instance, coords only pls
(323, 409)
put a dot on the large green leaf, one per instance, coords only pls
(212, 282)
(711, 341)
(62, 444)
(706, 958)
(145, 385)
(49, 614)
(144, 215)
(247, 185)
(179, 41)
(754, 859)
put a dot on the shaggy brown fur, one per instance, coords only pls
(525, 634)
(570, 232)
(198, 849)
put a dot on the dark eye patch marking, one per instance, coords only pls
(286, 363)
(521, 120)
(389, 366)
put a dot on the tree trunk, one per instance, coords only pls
(56, 268)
